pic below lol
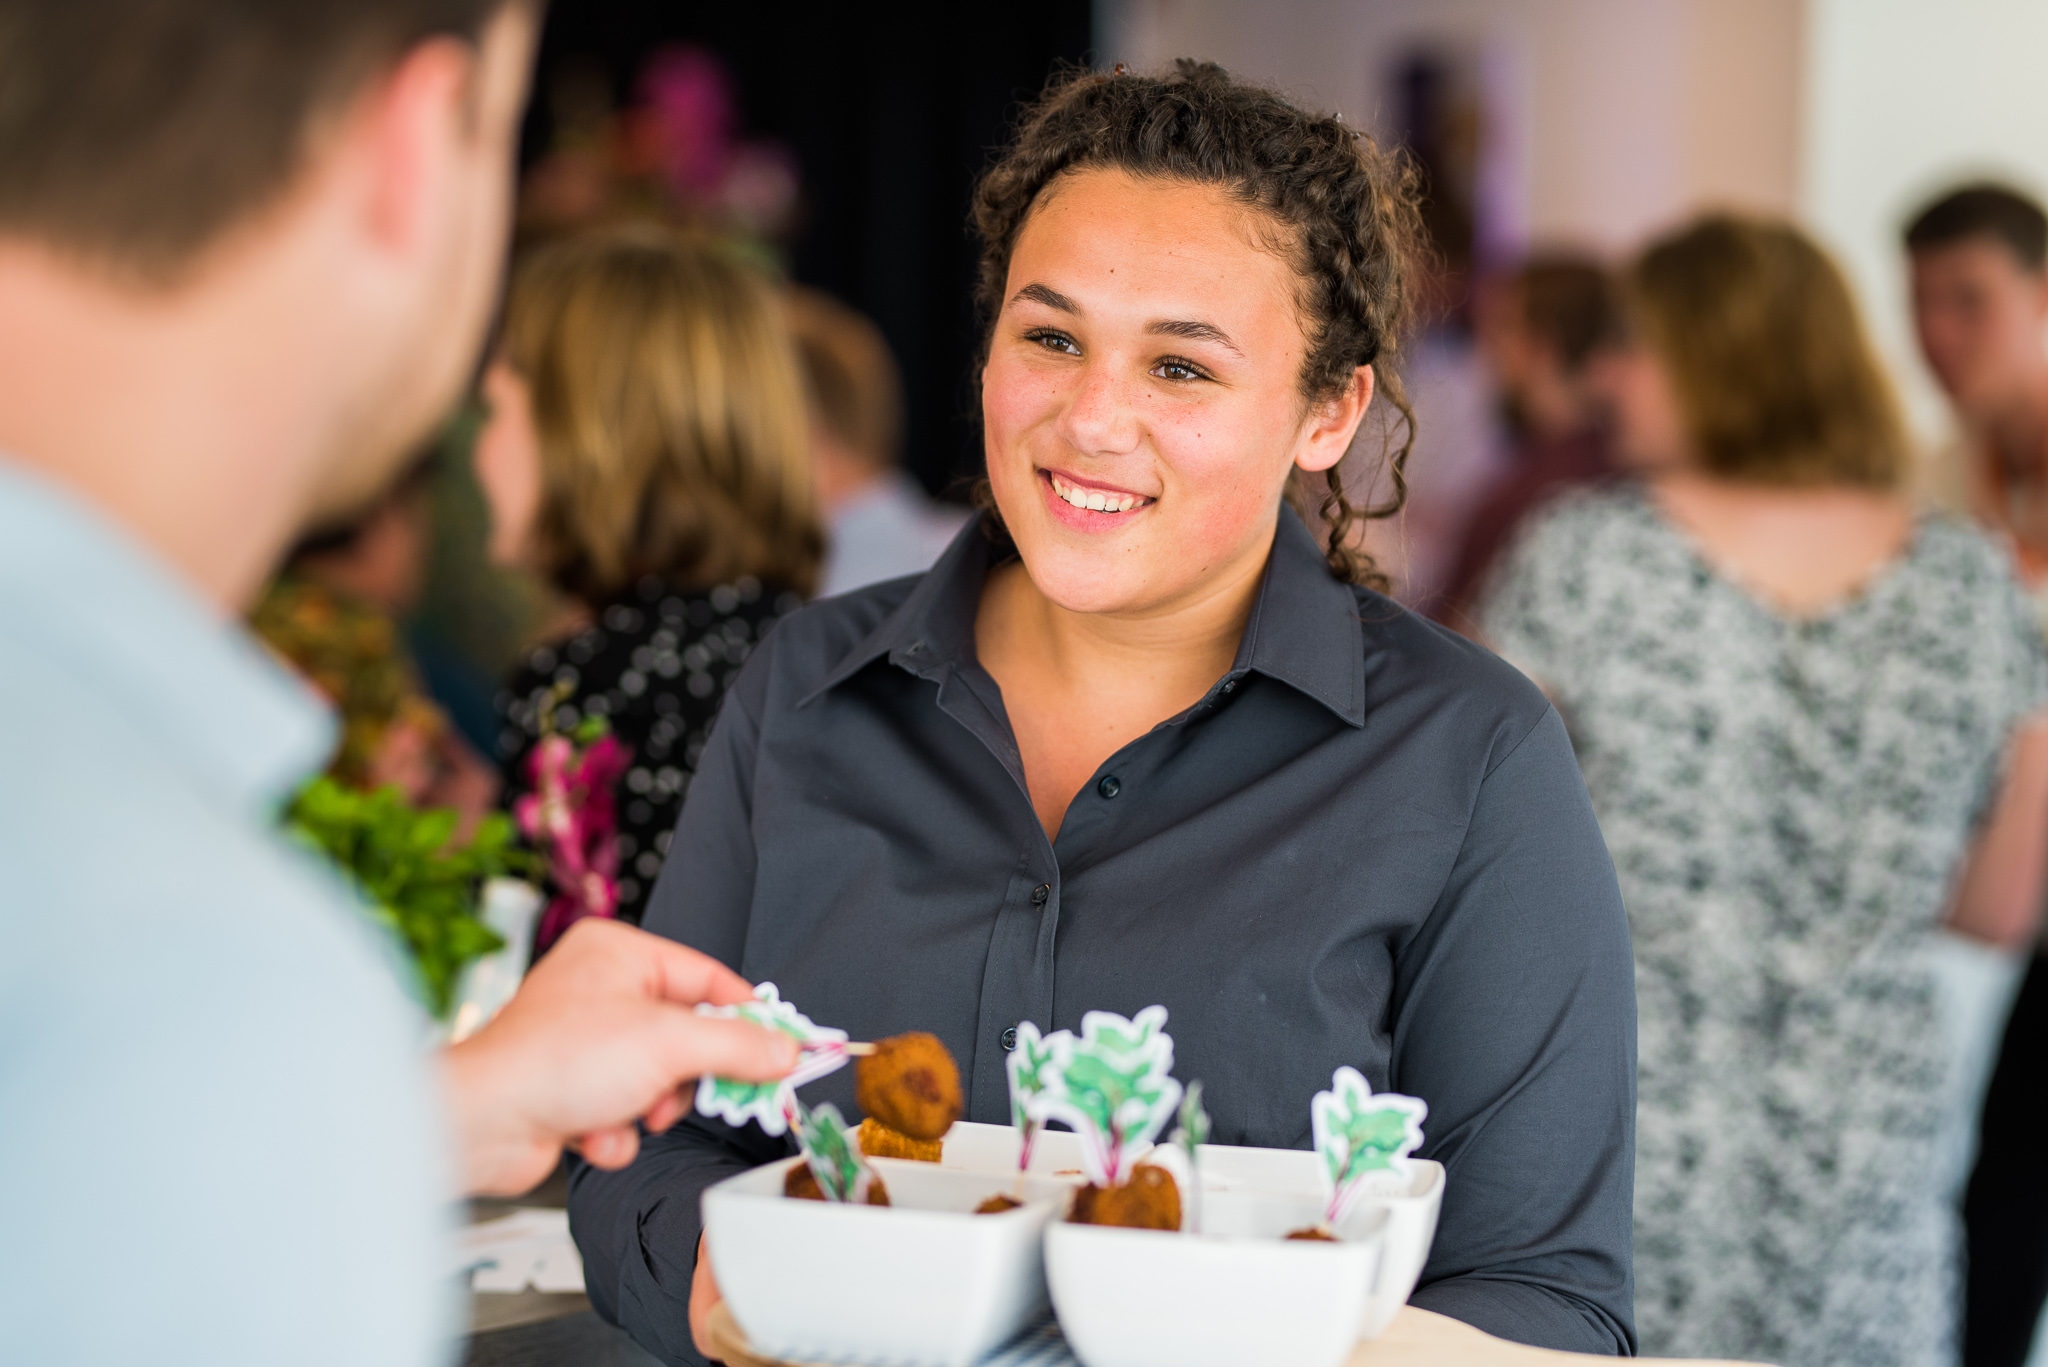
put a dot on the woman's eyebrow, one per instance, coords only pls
(1194, 332)
(1048, 296)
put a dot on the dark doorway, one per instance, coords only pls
(890, 112)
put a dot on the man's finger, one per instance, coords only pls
(679, 974)
(691, 1046)
(667, 1111)
(611, 1149)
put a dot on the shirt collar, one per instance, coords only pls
(81, 592)
(1304, 629)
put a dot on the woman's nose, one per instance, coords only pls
(1100, 418)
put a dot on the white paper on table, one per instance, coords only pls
(526, 1248)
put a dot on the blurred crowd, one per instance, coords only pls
(1802, 662)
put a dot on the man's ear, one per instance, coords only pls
(407, 128)
(1334, 422)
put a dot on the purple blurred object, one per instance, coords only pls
(690, 96)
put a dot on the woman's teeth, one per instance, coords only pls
(1094, 499)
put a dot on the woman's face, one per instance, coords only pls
(1649, 428)
(508, 463)
(1142, 399)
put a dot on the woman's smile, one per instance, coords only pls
(1088, 504)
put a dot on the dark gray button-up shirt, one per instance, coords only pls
(1367, 845)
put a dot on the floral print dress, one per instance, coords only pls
(1788, 801)
(655, 663)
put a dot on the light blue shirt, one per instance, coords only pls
(218, 1135)
(886, 531)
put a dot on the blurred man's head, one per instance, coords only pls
(855, 395)
(1980, 296)
(315, 192)
(1541, 328)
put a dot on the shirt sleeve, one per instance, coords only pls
(1515, 1018)
(637, 1229)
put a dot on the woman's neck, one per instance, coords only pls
(1802, 551)
(1080, 686)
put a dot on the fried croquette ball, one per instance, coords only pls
(1315, 1233)
(801, 1184)
(1150, 1200)
(996, 1205)
(877, 1140)
(911, 1084)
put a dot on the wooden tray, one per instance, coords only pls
(1416, 1338)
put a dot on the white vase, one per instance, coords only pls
(510, 906)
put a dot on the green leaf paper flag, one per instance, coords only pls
(1032, 1065)
(835, 1160)
(1189, 1136)
(1114, 1088)
(770, 1104)
(1360, 1136)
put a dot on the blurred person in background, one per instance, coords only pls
(1540, 330)
(247, 258)
(879, 524)
(1980, 305)
(1810, 722)
(646, 453)
(333, 613)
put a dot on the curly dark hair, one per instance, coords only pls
(1346, 210)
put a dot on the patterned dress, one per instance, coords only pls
(1787, 801)
(656, 662)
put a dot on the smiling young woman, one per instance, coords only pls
(1143, 736)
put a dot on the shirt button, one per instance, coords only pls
(1040, 894)
(1010, 1038)
(1110, 786)
(1230, 685)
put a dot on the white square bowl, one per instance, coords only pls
(1238, 1293)
(922, 1282)
(1411, 1215)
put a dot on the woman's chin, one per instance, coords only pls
(1092, 582)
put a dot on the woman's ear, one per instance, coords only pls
(1334, 422)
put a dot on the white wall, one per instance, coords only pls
(1608, 118)
(1902, 97)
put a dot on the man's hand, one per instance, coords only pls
(600, 1035)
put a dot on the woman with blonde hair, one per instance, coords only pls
(1807, 717)
(646, 452)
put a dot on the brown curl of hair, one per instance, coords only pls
(1344, 211)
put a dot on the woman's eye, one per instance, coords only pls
(1054, 341)
(1176, 370)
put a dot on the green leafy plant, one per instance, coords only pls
(415, 880)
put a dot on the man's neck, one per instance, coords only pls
(180, 415)
(2015, 429)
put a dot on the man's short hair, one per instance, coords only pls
(849, 376)
(134, 132)
(1570, 302)
(1988, 210)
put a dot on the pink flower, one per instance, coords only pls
(572, 816)
(691, 99)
